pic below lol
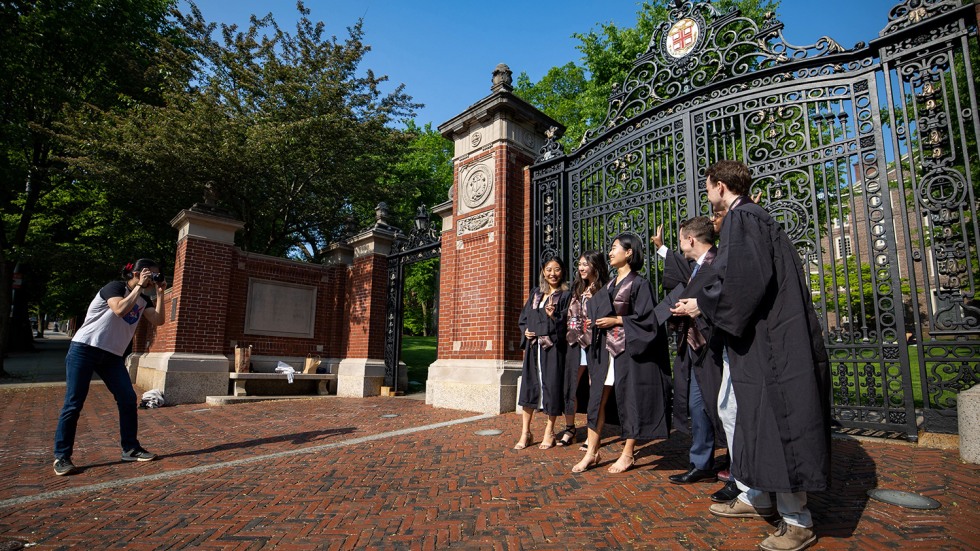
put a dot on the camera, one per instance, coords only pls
(159, 278)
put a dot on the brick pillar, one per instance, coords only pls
(361, 372)
(186, 357)
(485, 246)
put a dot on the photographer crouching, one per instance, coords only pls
(99, 346)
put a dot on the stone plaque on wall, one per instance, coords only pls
(280, 309)
(475, 186)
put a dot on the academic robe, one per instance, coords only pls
(759, 301)
(704, 367)
(576, 390)
(641, 387)
(544, 392)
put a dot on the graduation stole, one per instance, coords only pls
(616, 337)
(695, 340)
(544, 340)
(577, 316)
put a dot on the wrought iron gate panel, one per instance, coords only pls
(930, 85)
(423, 243)
(867, 157)
(634, 186)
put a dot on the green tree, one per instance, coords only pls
(55, 57)
(420, 295)
(290, 133)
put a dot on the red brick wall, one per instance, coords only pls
(482, 284)
(211, 288)
(366, 297)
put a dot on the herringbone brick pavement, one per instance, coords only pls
(334, 474)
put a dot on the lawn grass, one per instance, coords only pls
(418, 353)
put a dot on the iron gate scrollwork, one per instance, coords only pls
(421, 244)
(867, 156)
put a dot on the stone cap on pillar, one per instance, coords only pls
(376, 240)
(445, 211)
(206, 226)
(501, 100)
(339, 254)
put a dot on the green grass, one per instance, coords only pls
(915, 378)
(418, 353)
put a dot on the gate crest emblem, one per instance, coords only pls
(682, 37)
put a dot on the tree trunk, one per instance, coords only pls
(6, 283)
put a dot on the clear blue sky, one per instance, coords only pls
(444, 51)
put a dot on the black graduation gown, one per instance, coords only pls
(705, 367)
(642, 375)
(760, 302)
(547, 391)
(576, 390)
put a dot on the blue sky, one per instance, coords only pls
(444, 51)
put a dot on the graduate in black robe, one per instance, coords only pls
(592, 273)
(543, 329)
(696, 383)
(759, 301)
(630, 357)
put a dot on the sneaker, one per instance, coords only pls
(138, 454)
(63, 466)
(789, 538)
(737, 508)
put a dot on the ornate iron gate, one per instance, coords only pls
(868, 157)
(422, 243)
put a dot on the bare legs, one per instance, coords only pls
(526, 439)
(625, 460)
(591, 458)
(547, 441)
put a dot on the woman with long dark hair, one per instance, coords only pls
(630, 357)
(591, 275)
(542, 326)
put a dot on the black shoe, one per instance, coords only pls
(63, 466)
(138, 454)
(692, 476)
(727, 493)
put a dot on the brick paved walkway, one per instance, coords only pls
(334, 473)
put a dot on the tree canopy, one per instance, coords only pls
(118, 115)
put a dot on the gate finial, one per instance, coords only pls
(502, 78)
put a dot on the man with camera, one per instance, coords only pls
(99, 347)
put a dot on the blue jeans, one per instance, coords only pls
(80, 363)
(702, 452)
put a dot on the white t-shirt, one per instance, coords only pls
(104, 329)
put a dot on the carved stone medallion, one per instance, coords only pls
(477, 186)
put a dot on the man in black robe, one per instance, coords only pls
(775, 363)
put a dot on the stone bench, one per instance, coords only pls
(322, 379)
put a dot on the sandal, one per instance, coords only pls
(547, 445)
(586, 463)
(525, 441)
(567, 436)
(615, 468)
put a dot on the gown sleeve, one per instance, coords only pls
(641, 326)
(742, 272)
(522, 323)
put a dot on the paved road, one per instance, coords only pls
(45, 365)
